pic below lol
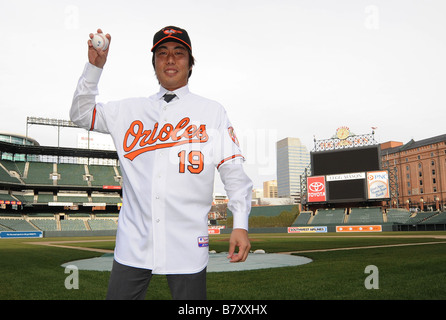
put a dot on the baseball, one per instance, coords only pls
(100, 41)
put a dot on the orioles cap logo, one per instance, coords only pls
(171, 31)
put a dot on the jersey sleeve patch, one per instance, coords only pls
(203, 241)
(233, 136)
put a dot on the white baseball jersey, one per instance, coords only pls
(168, 153)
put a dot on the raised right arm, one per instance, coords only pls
(82, 111)
(83, 107)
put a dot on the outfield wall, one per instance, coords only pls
(294, 229)
(329, 228)
(419, 227)
(97, 233)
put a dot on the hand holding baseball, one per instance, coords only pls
(98, 46)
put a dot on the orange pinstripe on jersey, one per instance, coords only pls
(93, 119)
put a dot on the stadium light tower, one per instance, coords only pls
(59, 123)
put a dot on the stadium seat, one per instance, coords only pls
(76, 198)
(39, 173)
(102, 224)
(18, 224)
(5, 168)
(71, 174)
(397, 215)
(102, 175)
(73, 225)
(45, 224)
(302, 218)
(332, 216)
(420, 217)
(365, 216)
(438, 217)
(108, 199)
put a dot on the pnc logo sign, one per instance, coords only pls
(316, 189)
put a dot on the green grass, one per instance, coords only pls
(32, 272)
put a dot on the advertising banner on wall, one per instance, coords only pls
(364, 228)
(378, 185)
(316, 189)
(21, 234)
(312, 229)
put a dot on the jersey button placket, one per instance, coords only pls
(159, 221)
(161, 155)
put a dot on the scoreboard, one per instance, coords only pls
(347, 175)
(346, 160)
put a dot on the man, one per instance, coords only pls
(169, 146)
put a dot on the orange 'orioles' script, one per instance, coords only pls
(137, 140)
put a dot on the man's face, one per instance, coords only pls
(172, 65)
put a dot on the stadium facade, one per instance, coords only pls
(421, 172)
(16, 139)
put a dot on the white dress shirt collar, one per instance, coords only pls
(180, 93)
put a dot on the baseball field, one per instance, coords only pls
(369, 266)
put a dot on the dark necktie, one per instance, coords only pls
(168, 97)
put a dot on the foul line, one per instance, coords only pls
(56, 244)
(365, 247)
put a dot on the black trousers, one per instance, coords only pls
(129, 283)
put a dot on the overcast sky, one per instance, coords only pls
(281, 68)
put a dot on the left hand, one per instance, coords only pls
(239, 238)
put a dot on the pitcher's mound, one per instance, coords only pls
(217, 262)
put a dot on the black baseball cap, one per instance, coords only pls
(171, 33)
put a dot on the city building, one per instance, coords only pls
(270, 189)
(420, 170)
(292, 159)
(257, 193)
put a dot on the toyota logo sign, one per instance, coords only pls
(316, 189)
(316, 186)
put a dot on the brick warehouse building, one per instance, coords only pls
(420, 168)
